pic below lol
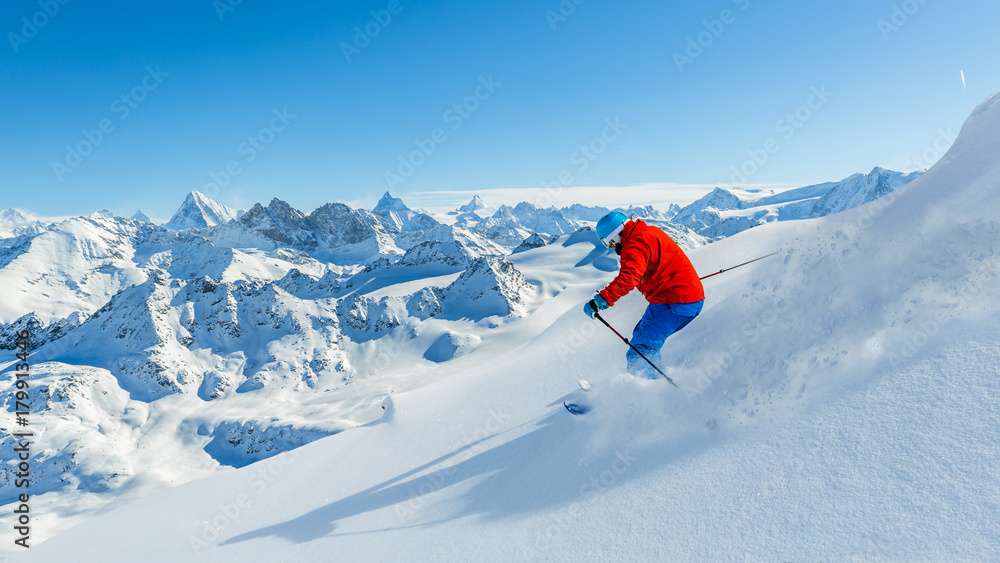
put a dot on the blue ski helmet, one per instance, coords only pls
(609, 228)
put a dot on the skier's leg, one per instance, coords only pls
(657, 323)
(648, 337)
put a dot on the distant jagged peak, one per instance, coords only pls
(195, 195)
(526, 207)
(721, 198)
(281, 222)
(650, 212)
(859, 189)
(201, 200)
(580, 212)
(12, 215)
(102, 214)
(534, 241)
(476, 204)
(140, 216)
(505, 213)
(420, 222)
(393, 212)
(283, 208)
(388, 204)
(15, 222)
(199, 211)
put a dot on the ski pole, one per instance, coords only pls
(740, 265)
(625, 340)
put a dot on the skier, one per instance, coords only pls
(651, 261)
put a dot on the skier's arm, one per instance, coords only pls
(633, 267)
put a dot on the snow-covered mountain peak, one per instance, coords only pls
(476, 204)
(389, 204)
(549, 220)
(504, 212)
(199, 211)
(534, 241)
(860, 189)
(140, 216)
(12, 216)
(581, 212)
(344, 229)
(281, 222)
(719, 198)
(650, 212)
(490, 286)
(14, 222)
(396, 214)
(526, 207)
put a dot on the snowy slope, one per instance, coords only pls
(838, 402)
(71, 266)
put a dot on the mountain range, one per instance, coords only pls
(725, 212)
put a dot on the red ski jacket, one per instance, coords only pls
(653, 262)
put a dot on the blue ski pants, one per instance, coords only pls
(657, 323)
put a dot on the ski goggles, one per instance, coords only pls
(614, 237)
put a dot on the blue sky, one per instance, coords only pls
(130, 106)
